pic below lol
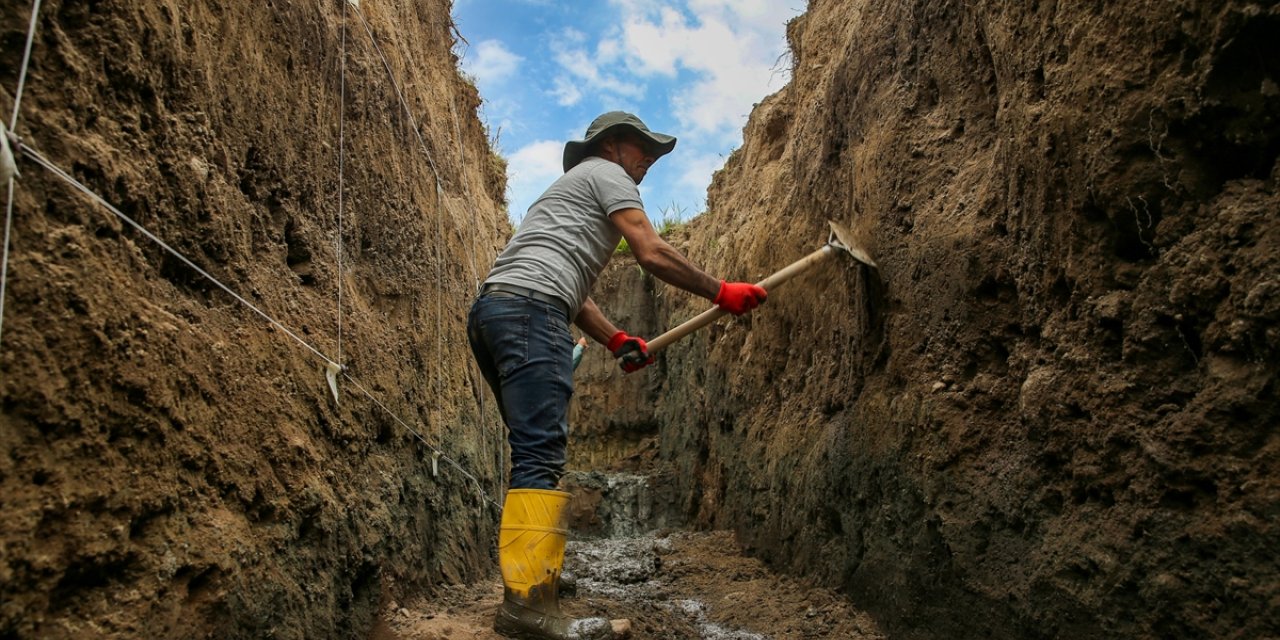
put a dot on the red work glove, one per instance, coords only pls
(632, 352)
(739, 297)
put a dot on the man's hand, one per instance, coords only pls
(739, 297)
(632, 352)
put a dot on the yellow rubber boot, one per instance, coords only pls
(531, 554)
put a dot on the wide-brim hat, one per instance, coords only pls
(576, 150)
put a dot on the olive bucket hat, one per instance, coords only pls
(576, 150)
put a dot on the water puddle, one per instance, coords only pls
(621, 556)
(629, 570)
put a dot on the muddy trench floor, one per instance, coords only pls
(671, 585)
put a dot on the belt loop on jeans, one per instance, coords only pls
(525, 292)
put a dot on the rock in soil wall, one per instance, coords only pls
(1051, 412)
(172, 465)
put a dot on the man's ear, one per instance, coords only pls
(610, 146)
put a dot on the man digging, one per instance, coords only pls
(519, 333)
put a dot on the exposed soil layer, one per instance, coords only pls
(672, 586)
(1051, 412)
(170, 464)
(611, 417)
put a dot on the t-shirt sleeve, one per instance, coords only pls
(613, 189)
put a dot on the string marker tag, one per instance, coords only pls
(435, 464)
(331, 372)
(8, 167)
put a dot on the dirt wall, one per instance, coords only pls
(170, 464)
(611, 418)
(1053, 405)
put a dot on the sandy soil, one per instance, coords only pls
(170, 464)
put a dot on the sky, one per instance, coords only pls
(688, 68)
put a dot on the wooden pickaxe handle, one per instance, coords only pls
(715, 313)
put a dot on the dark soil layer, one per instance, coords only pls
(1052, 411)
(170, 464)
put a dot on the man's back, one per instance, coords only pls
(566, 238)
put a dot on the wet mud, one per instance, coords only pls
(671, 585)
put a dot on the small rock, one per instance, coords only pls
(621, 628)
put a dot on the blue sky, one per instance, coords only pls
(689, 68)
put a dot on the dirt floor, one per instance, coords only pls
(671, 585)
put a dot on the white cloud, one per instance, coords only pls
(691, 68)
(696, 170)
(566, 92)
(530, 170)
(730, 48)
(653, 40)
(492, 63)
(680, 186)
(573, 35)
(584, 69)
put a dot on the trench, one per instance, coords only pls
(1053, 407)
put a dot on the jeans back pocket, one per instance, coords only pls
(507, 338)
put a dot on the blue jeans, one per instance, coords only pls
(525, 352)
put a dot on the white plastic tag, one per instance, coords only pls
(331, 372)
(8, 167)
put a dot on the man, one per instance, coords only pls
(519, 333)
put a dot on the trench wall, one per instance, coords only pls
(171, 465)
(1054, 402)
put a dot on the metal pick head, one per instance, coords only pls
(842, 239)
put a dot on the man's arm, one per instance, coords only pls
(659, 258)
(633, 351)
(593, 323)
(662, 260)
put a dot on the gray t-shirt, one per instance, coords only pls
(566, 238)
